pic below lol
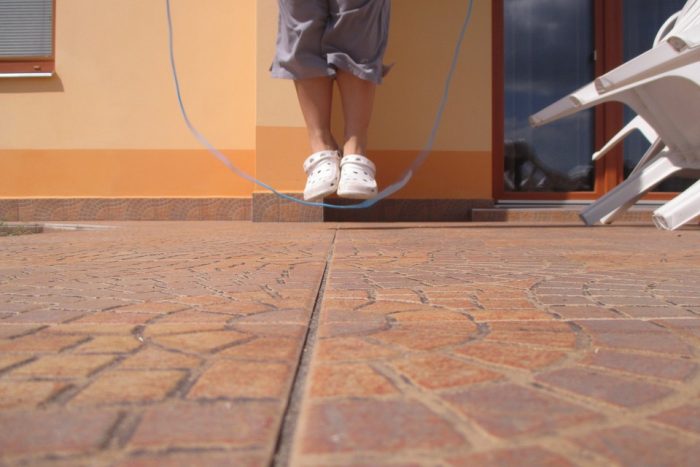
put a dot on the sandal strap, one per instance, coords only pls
(317, 157)
(359, 160)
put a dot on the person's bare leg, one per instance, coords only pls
(357, 96)
(315, 99)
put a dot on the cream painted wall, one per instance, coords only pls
(421, 45)
(276, 99)
(113, 88)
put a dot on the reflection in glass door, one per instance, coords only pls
(642, 19)
(548, 53)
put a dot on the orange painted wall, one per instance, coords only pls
(107, 125)
(115, 173)
(110, 116)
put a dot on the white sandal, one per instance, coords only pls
(322, 169)
(357, 177)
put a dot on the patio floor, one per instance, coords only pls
(233, 343)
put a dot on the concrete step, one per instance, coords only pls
(554, 213)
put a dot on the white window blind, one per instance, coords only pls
(26, 28)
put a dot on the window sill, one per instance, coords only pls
(26, 75)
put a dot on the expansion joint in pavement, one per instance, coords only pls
(283, 448)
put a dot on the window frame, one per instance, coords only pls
(32, 65)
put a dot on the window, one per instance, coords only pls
(27, 37)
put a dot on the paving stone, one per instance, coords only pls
(511, 355)
(557, 335)
(645, 365)
(349, 380)
(157, 359)
(194, 317)
(584, 312)
(634, 335)
(369, 425)
(507, 304)
(507, 410)
(54, 432)
(439, 372)
(109, 344)
(688, 327)
(63, 366)
(427, 335)
(170, 329)
(296, 331)
(10, 360)
(351, 348)
(203, 342)
(13, 308)
(428, 316)
(634, 446)
(93, 329)
(129, 386)
(654, 311)
(632, 300)
(40, 342)
(388, 307)
(604, 387)
(510, 457)
(188, 459)
(353, 328)
(686, 417)
(158, 308)
(111, 317)
(234, 379)
(278, 316)
(43, 317)
(8, 331)
(265, 348)
(245, 424)
(93, 304)
(510, 315)
(27, 394)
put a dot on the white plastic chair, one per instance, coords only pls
(670, 103)
(680, 210)
(672, 61)
(638, 123)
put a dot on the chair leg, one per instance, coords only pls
(680, 210)
(654, 150)
(617, 201)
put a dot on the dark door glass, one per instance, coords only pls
(548, 52)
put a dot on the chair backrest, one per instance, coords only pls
(672, 107)
(688, 16)
(666, 28)
(688, 38)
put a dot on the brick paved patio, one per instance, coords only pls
(224, 343)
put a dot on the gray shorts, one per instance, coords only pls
(317, 37)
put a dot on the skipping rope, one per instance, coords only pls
(388, 191)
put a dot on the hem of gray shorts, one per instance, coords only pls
(279, 72)
(366, 72)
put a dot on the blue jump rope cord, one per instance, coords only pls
(388, 191)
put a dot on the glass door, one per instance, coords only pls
(544, 50)
(549, 51)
